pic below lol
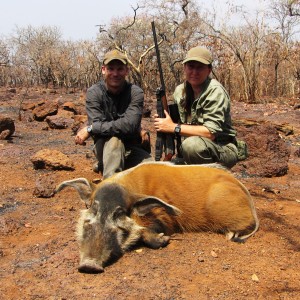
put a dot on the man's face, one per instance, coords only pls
(114, 74)
(196, 72)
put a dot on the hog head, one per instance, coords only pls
(105, 230)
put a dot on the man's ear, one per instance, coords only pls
(127, 69)
(210, 69)
(103, 69)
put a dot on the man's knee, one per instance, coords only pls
(193, 145)
(114, 143)
(108, 146)
(195, 150)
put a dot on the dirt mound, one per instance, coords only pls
(268, 153)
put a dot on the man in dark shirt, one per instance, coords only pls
(114, 108)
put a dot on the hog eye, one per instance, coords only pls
(125, 234)
(87, 224)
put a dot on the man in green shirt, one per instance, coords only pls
(204, 109)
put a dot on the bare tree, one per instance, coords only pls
(286, 23)
(4, 61)
(35, 46)
(286, 26)
(246, 44)
(293, 7)
(252, 59)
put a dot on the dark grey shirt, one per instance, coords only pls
(115, 115)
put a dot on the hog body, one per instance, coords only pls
(151, 201)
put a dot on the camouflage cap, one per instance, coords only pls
(114, 55)
(200, 54)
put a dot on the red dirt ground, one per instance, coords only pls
(39, 253)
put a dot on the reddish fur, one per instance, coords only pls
(158, 214)
(209, 198)
(161, 199)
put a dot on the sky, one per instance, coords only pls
(76, 19)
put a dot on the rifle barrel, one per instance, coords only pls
(162, 82)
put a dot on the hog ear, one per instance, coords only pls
(82, 185)
(144, 205)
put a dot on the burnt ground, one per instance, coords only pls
(38, 249)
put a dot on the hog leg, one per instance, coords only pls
(157, 225)
(153, 239)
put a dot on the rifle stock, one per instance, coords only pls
(160, 137)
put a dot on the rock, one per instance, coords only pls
(47, 109)
(28, 106)
(70, 106)
(50, 91)
(44, 187)
(255, 278)
(32, 105)
(79, 121)
(59, 122)
(286, 129)
(12, 90)
(65, 113)
(7, 127)
(5, 134)
(268, 153)
(51, 160)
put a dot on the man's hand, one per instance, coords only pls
(145, 140)
(164, 124)
(145, 136)
(81, 136)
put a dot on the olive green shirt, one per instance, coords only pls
(211, 109)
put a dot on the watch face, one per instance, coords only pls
(89, 129)
(177, 129)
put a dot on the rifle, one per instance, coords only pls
(164, 142)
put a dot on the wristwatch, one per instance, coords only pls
(89, 129)
(177, 129)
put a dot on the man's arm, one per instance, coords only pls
(94, 112)
(167, 125)
(216, 108)
(81, 136)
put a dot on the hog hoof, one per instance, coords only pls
(90, 267)
(158, 241)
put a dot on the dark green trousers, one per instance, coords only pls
(199, 150)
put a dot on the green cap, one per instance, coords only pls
(114, 55)
(200, 54)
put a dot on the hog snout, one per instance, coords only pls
(90, 266)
